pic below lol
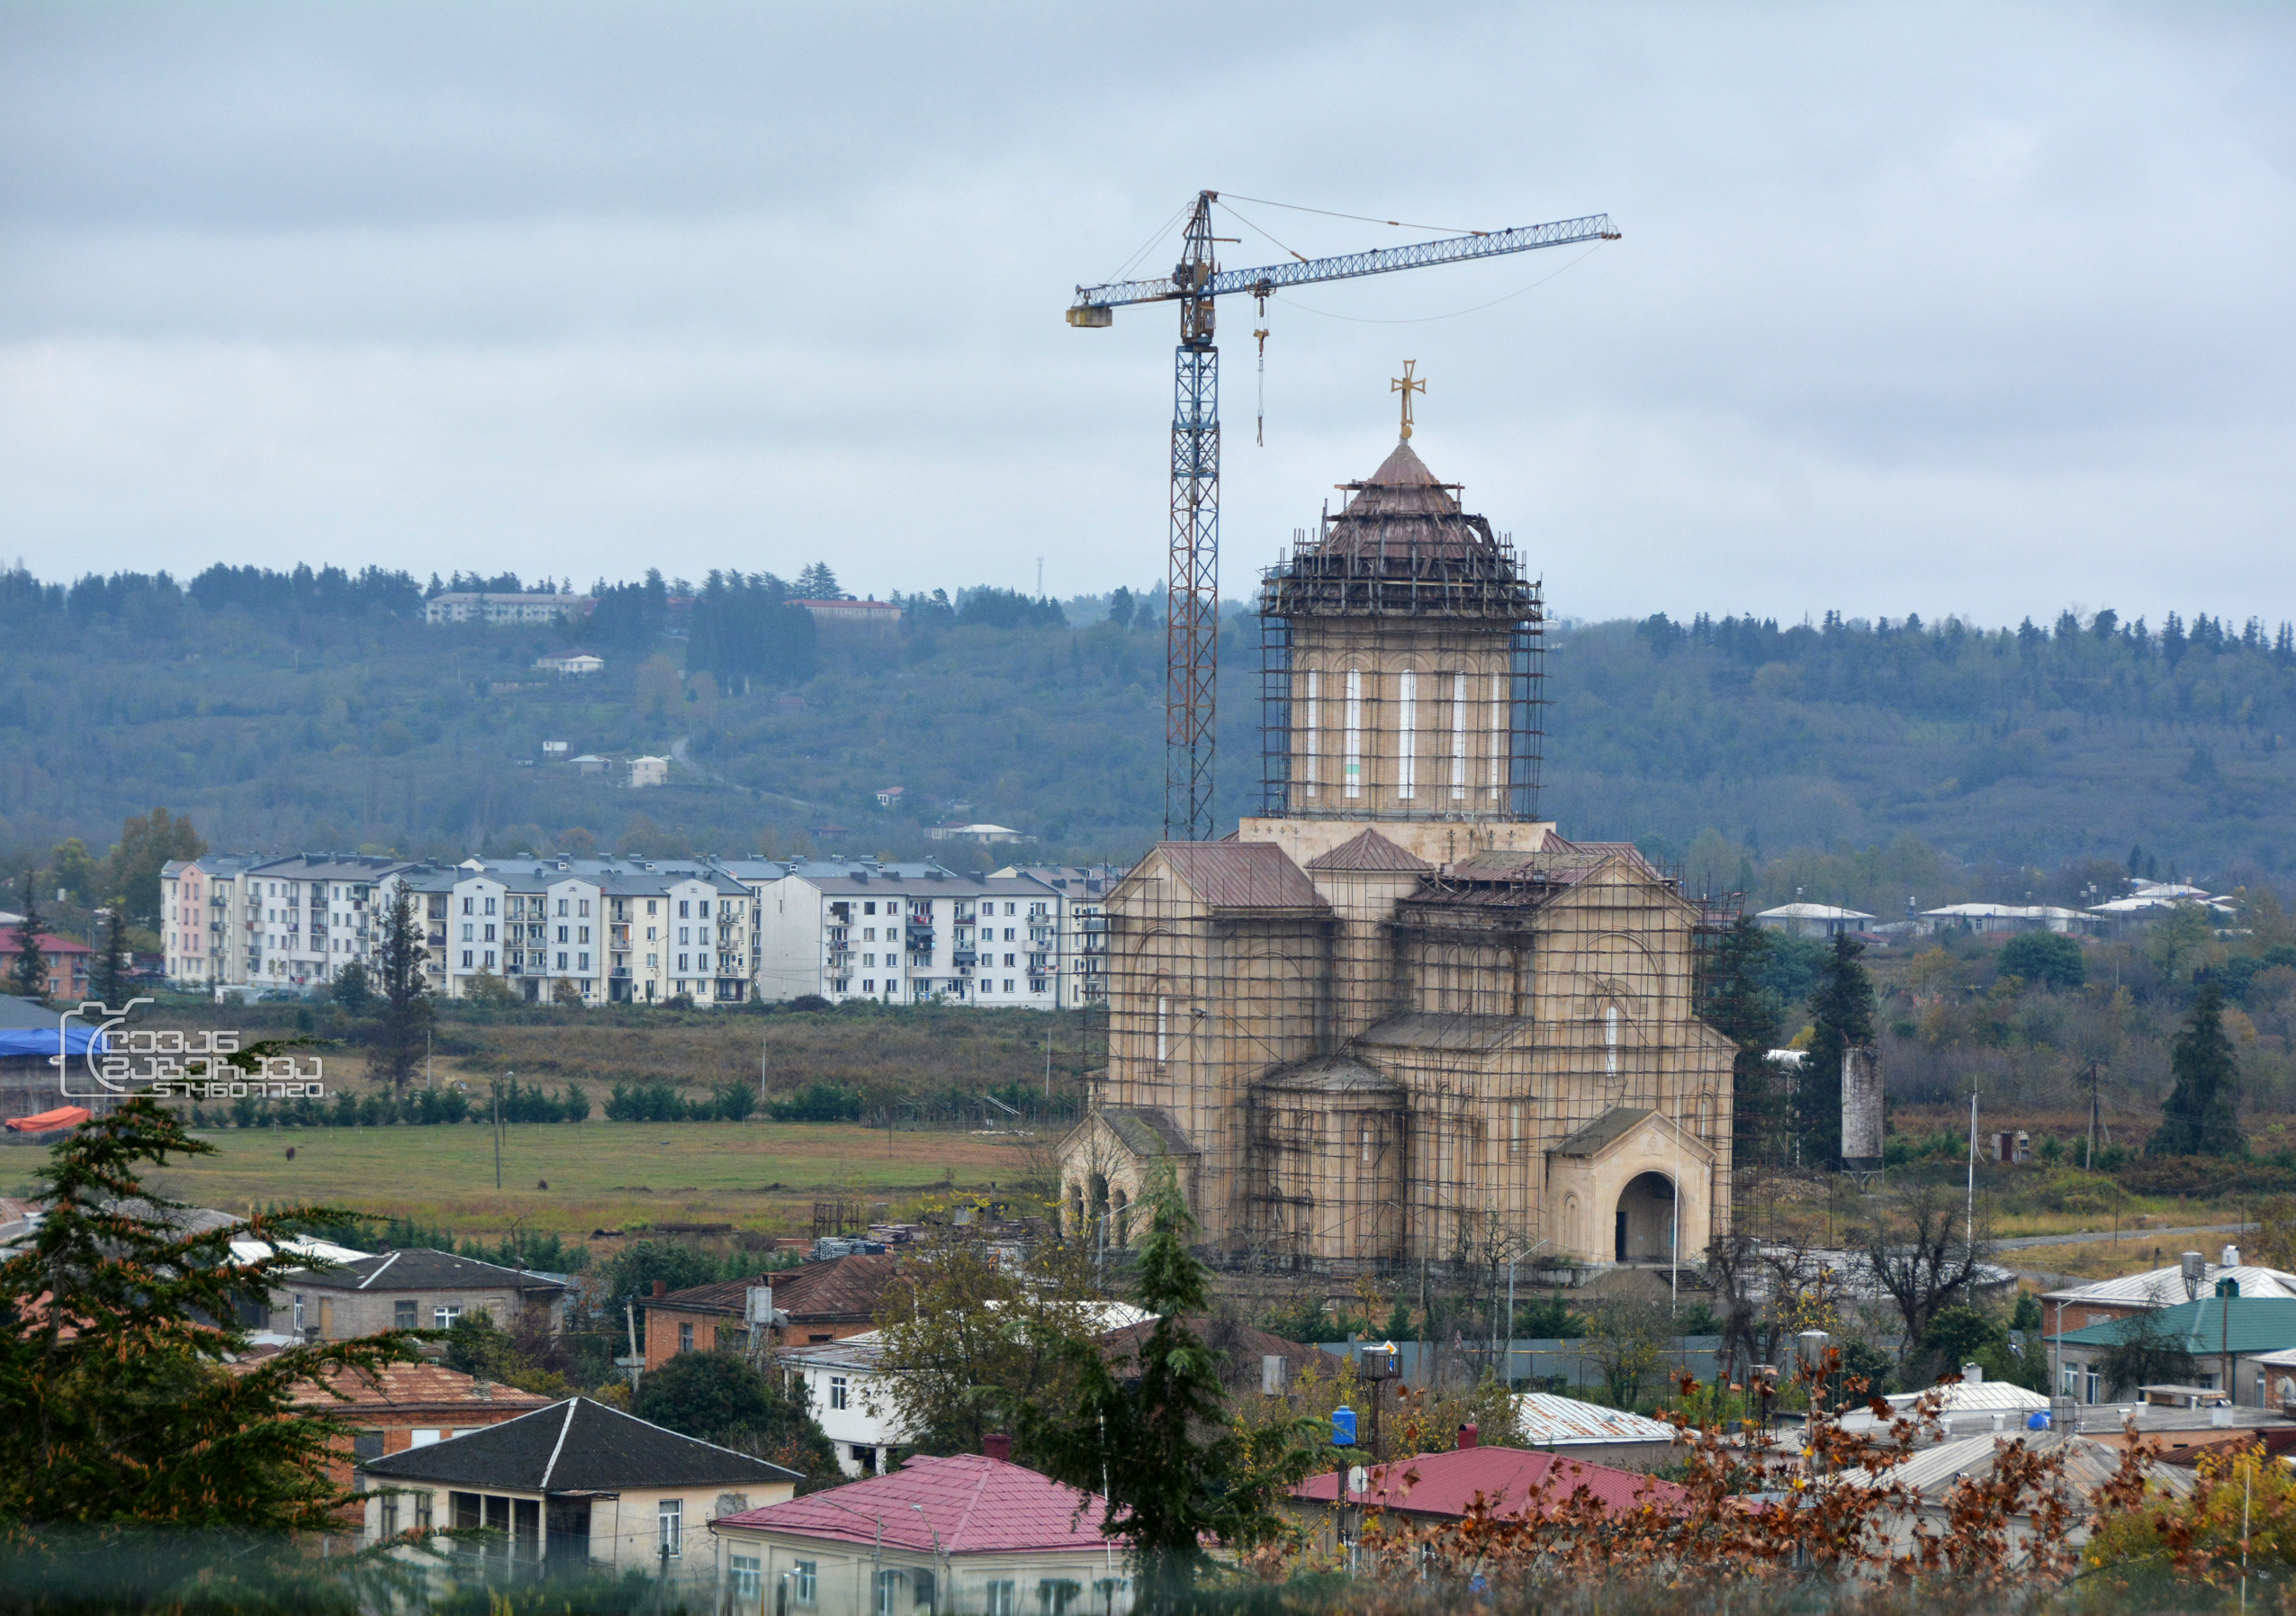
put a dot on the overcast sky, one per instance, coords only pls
(1940, 308)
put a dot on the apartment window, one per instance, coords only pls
(649, 906)
(562, 933)
(446, 1316)
(581, 908)
(402, 1315)
(996, 1598)
(490, 906)
(489, 959)
(748, 1575)
(390, 1516)
(489, 934)
(685, 1337)
(806, 1583)
(869, 984)
(681, 962)
(685, 934)
(673, 1527)
(837, 1391)
(652, 961)
(422, 1512)
(581, 933)
(469, 906)
(562, 958)
(469, 930)
(1008, 980)
(561, 906)
(582, 962)
(1054, 1594)
(685, 909)
(466, 959)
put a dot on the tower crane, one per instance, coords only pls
(1192, 586)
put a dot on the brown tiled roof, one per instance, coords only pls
(1370, 851)
(1241, 1346)
(844, 1289)
(1243, 875)
(410, 1386)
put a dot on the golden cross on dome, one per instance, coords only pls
(1405, 385)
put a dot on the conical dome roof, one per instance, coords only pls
(1401, 510)
(1401, 545)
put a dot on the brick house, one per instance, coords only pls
(68, 964)
(824, 1301)
(412, 1289)
(401, 1406)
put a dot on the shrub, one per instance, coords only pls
(2044, 958)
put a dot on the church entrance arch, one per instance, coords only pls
(1644, 1224)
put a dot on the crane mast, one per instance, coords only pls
(1192, 576)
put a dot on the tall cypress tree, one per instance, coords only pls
(1841, 1018)
(112, 967)
(1739, 1007)
(30, 977)
(2202, 1116)
(1178, 1469)
(405, 996)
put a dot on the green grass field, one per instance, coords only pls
(756, 1176)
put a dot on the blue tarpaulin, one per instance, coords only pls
(18, 1041)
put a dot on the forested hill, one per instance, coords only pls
(313, 709)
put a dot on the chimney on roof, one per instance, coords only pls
(661, 1287)
(2231, 1257)
(997, 1446)
(1973, 1375)
(1469, 1435)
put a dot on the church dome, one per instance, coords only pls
(1402, 546)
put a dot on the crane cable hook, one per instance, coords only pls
(1260, 436)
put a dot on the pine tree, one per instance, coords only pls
(1739, 1007)
(1178, 1469)
(31, 973)
(115, 1410)
(1841, 1017)
(2201, 1116)
(111, 968)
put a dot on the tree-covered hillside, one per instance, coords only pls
(311, 709)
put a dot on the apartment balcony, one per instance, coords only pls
(919, 939)
(964, 959)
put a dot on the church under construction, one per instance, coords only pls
(1397, 1018)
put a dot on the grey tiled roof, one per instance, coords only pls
(577, 1446)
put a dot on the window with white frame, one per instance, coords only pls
(805, 1583)
(672, 1513)
(748, 1571)
(837, 1391)
(997, 1598)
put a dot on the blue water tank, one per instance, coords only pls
(1343, 1428)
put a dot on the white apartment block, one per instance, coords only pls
(1084, 926)
(293, 923)
(611, 930)
(909, 933)
(503, 610)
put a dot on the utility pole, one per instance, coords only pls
(497, 1087)
(1969, 1212)
(2090, 1161)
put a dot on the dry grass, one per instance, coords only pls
(755, 1176)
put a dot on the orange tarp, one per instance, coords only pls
(63, 1116)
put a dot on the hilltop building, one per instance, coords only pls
(1397, 1016)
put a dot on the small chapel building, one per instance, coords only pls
(1397, 1016)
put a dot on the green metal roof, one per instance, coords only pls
(2254, 1325)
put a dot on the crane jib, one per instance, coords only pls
(1450, 249)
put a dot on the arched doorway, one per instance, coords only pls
(1645, 1220)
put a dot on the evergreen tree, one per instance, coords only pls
(406, 997)
(1742, 1010)
(2201, 1116)
(1841, 1018)
(146, 844)
(111, 982)
(1178, 1469)
(818, 582)
(30, 977)
(116, 1409)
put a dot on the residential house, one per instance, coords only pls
(819, 1301)
(1589, 1431)
(203, 924)
(909, 933)
(1813, 919)
(649, 772)
(2226, 1336)
(68, 964)
(968, 1535)
(572, 663)
(574, 1485)
(988, 836)
(853, 616)
(403, 1406)
(409, 1289)
(2101, 1302)
(1933, 1475)
(506, 610)
(1081, 963)
(1432, 1488)
(2009, 917)
(891, 797)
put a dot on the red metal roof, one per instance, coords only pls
(977, 1504)
(846, 1288)
(1370, 851)
(1242, 875)
(1506, 1477)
